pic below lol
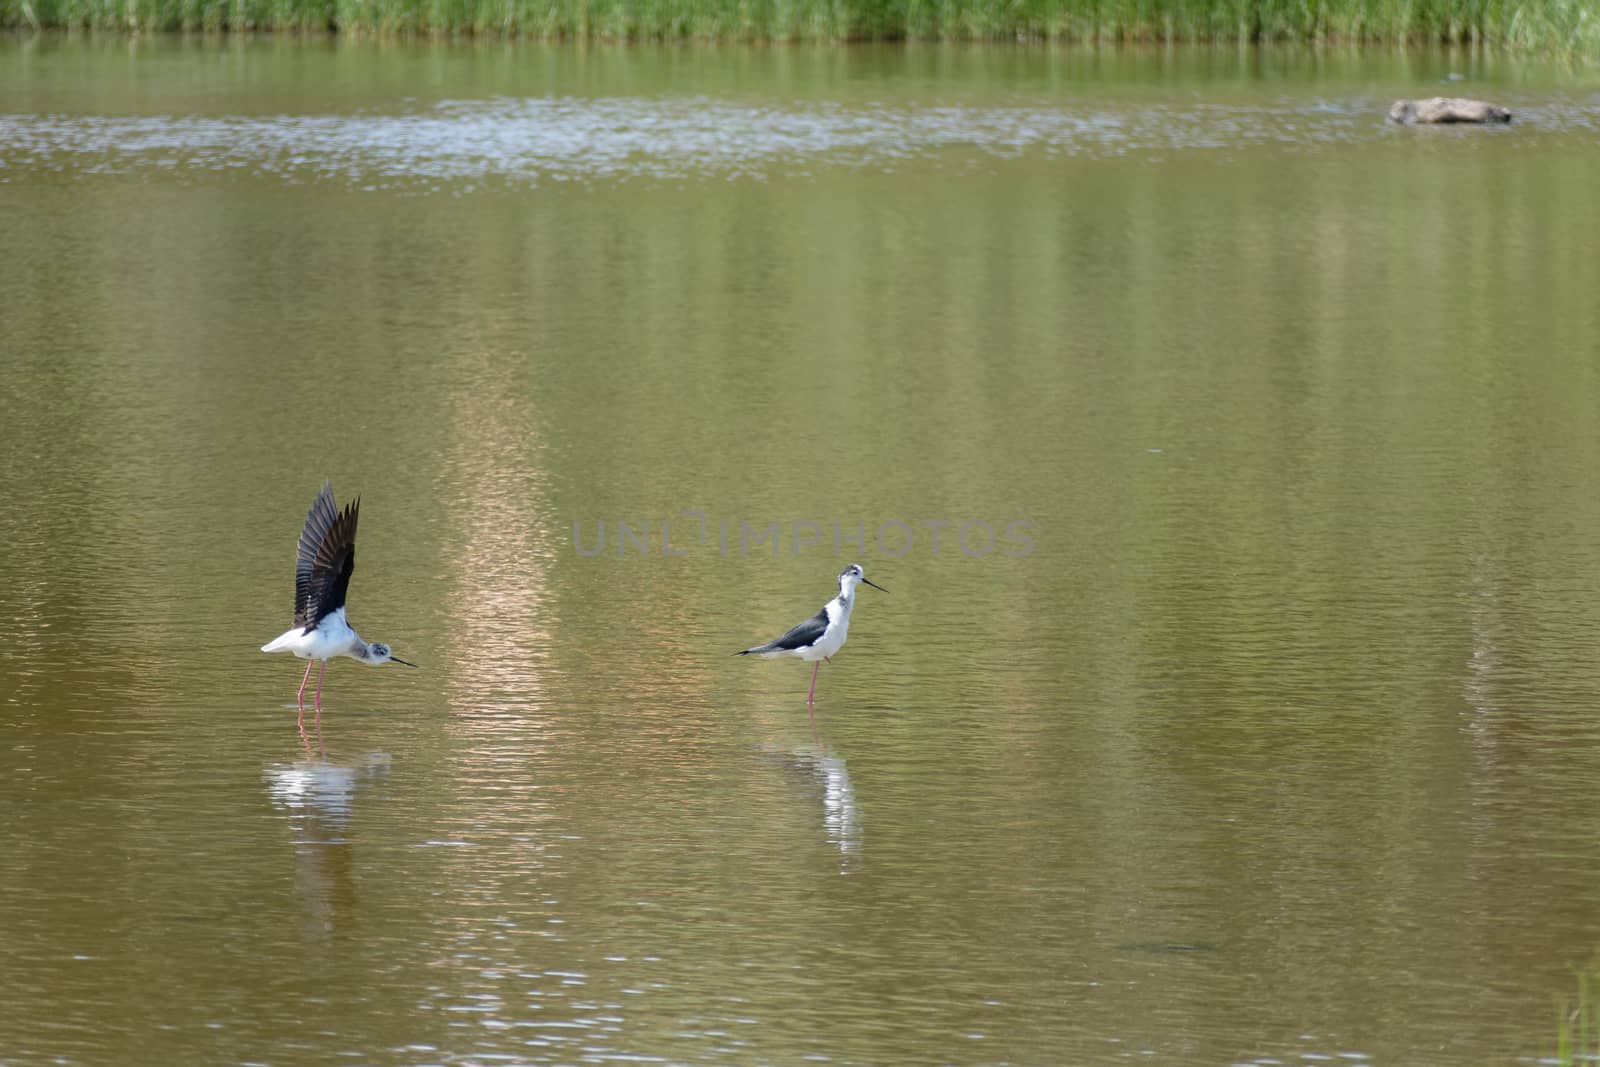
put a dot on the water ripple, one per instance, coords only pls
(525, 141)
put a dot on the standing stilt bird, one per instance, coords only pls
(322, 569)
(820, 637)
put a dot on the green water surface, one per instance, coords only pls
(1265, 728)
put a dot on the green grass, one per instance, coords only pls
(1566, 27)
(1578, 1024)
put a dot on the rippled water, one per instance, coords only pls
(1277, 746)
(528, 141)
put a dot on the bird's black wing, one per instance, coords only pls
(326, 559)
(807, 633)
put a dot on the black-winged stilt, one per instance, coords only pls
(820, 637)
(322, 569)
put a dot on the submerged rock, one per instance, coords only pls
(1446, 109)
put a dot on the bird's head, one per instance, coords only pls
(378, 653)
(852, 575)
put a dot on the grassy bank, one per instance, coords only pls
(1570, 27)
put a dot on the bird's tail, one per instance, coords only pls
(282, 641)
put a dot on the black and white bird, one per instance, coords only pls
(322, 569)
(819, 638)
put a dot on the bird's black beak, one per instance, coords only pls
(397, 659)
(874, 584)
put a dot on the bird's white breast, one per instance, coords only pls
(832, 639)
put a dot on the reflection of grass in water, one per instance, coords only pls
(1568, 27)
(1577, 1032)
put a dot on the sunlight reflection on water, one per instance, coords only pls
(530, 140)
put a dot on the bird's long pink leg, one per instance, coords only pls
(302, 694)
(300, 697)
(320, 673)
(811, 706)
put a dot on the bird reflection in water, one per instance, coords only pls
(827, 779)
(318, 798)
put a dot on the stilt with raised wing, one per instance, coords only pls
(322, 569)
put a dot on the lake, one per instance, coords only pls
(1230, 456)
